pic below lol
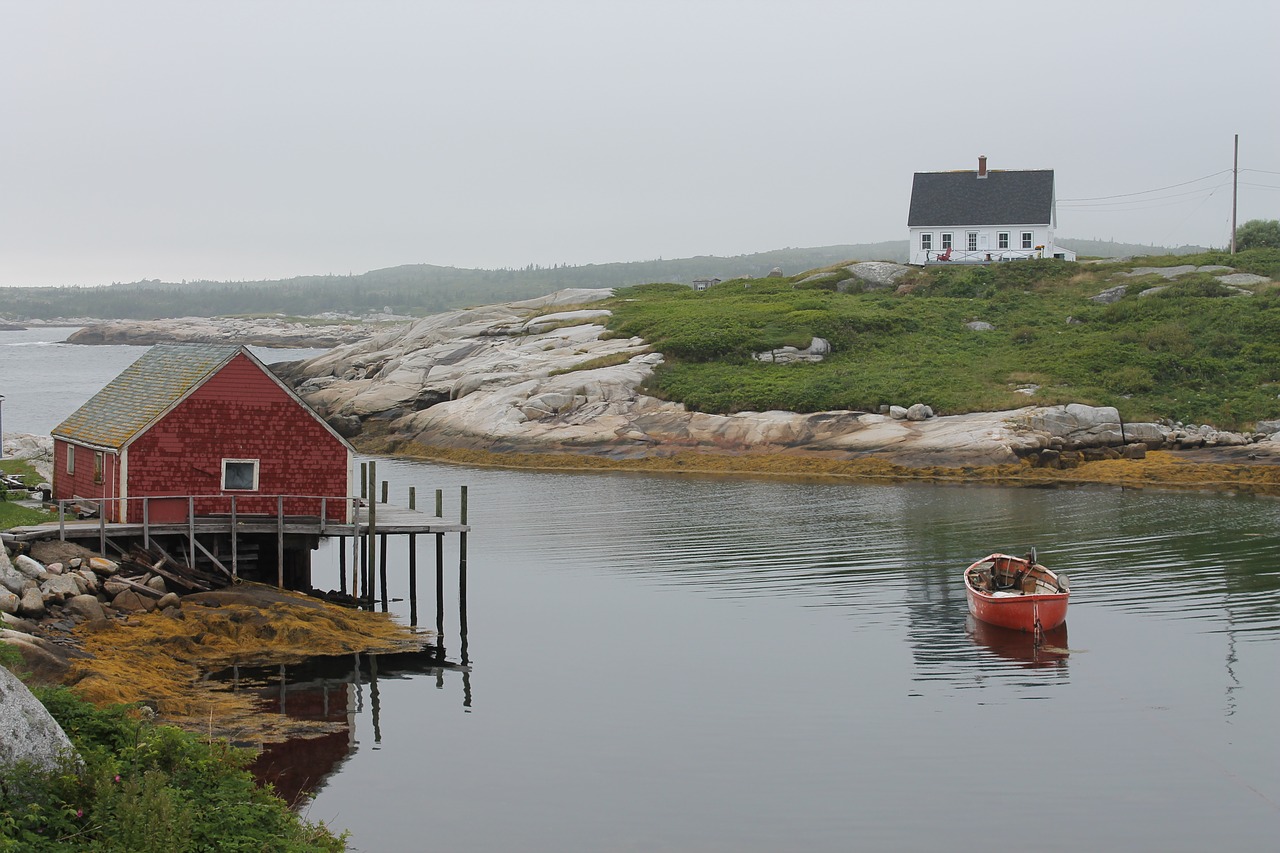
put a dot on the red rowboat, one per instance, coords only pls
(1016, 592)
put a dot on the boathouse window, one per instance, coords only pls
(973, 241)
(240, 475)
(1026, 239)
(1003, 239)
(926, 242)
(71, 459)
(946, 241)
(99, 462)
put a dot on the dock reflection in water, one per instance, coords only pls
(330, 691)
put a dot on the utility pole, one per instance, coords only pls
(1235, 176)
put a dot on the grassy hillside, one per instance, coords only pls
(1196, 351)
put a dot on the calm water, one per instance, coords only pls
(724, 664)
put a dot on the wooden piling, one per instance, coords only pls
(462, 579)
(280, 541)
(235, 554)
(413, 563)
(373, 531)
(382, 556)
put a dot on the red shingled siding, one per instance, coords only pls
(239, 413)
(80, 483)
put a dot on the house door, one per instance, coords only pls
(983, 241)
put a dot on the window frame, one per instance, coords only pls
(257, 468)
(1002, 239)
(1028, 239)
(946, 240)
(71, 459)
(99, 467)
(926, 242)
(971, 241)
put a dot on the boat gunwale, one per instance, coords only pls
(1035, 596)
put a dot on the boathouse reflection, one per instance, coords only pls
(331, 692)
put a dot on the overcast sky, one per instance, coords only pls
(226, 140)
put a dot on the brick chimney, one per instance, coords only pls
(982, 165)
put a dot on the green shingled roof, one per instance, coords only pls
(145, 390)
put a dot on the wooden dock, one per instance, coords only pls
(389, 519)
(237, 541)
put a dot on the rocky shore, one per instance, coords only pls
(543, 376)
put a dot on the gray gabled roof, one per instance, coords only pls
(145, 390)
(962, 198)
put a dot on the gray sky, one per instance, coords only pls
(230, 140)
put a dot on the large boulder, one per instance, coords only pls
(1077, 425)
(28, 734)
(878, 275)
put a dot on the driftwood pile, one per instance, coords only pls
(178, 576)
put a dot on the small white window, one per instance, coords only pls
(240, 475)
(1026, 239)
(99, 463)
(1003, 239)
(71, 458)
(973, 241)
(926, 242)
(946, 241)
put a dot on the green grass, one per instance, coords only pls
(144, 787)
(1189, 353)
(12, 515)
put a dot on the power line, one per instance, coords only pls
(1147, 192)
(1263, 171)
(1076, 205)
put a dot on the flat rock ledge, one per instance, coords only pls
(540, 376)
(267, 332)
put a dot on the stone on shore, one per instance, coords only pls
(27, 731)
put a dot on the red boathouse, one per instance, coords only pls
(190, 426)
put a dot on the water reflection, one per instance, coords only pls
(1022, 648)
(329, 694)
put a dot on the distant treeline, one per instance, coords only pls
(419, 289)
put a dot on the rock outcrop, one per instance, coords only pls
(27, 733)
(527, 377)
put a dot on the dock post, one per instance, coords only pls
(62, 520)
(102, 528)
(382, 556)
(355, 553)
(191, 531)
(373, 532)
(440, 588)
(146, 522)
(280, 541)
(235, 548)
(413, 563)
(462, 580)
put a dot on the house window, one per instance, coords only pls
(240, 475)
(71, 459)
(973, 241)
(946, 241)
(926, 242)
(1026, 239)
(1003, 239)
(99, 462)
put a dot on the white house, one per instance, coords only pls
(983, 216)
